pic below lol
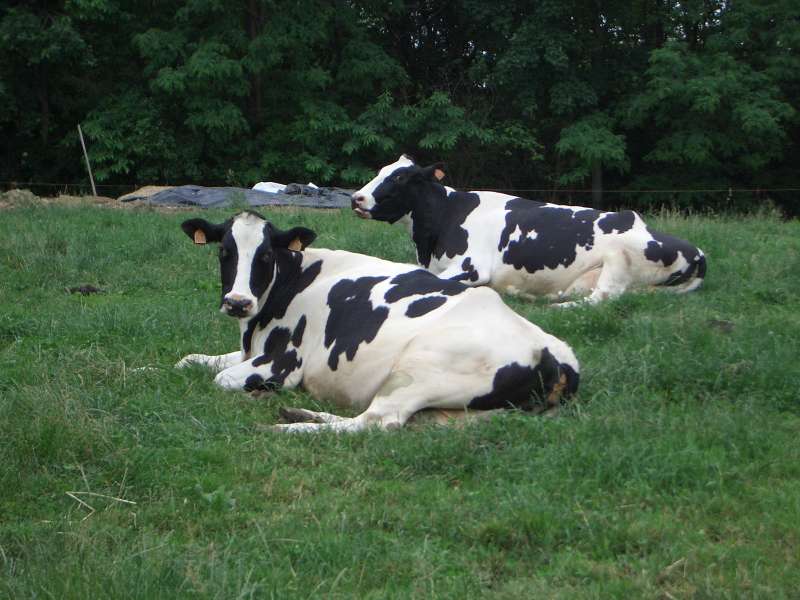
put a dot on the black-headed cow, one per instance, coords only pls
(387, 338)
(523, 246)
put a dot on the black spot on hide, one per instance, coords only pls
(423, 306)
(555, 232)
(665, 248)
(299, 330)
(420, 283)
(618, 222)
(525, 388)
(469, 274)
(352, 319)
(449, 237)
(276, 352)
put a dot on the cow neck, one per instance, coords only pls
(289, 278)
(428, 219)
(286, 270)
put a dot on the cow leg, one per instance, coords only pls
(452, 418)
(396, 401)
(302, 415)
(215, 363)
(585, 284)
(257, 373)
(435, 416)
(403, 396)
(613, 280)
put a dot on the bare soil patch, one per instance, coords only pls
(19, 198)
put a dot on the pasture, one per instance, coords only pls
(675, 473)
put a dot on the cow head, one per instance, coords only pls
(394, 192)
(248, 245)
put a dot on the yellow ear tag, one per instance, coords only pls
(295, 245)
(439, 174)
(199, 236)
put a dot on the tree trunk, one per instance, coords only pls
(255, 23)
(597, 185)
(44, 106)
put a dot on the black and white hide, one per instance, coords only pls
(526, 247)
(386, 338)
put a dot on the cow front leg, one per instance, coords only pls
(259, 373)
(215, 363)
(302, 415)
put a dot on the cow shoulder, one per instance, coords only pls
(352, 319)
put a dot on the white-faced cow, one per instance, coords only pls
(523, 246)
(387, 338)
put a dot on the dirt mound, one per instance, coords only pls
(144, 192)
(17, 198)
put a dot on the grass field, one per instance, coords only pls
(675, 474)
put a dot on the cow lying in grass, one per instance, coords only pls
(386, 338)
(524, 246)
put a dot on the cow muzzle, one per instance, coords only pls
(237, 306)
(359, 203)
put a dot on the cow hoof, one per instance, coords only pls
(551, 412)
(294, 428)
(569, 304)
(297, 415)
(189, 359)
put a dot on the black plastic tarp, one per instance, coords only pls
(293, 194)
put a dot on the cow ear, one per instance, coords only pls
(434, 172)
(296, 238)
(201, 231)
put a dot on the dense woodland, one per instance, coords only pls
(637, 97)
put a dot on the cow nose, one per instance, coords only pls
(238, 307)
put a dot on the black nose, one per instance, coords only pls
(237, 307)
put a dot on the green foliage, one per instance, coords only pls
(511, 94)
(591, 140)
(721, 114)
(127, 133)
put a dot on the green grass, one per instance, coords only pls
(676, 473)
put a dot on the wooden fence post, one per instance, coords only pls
(86, 156)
